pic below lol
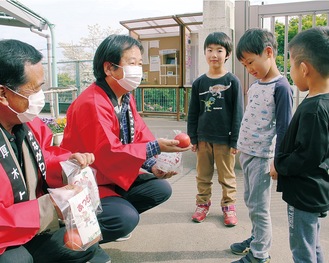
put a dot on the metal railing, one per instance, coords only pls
(269, 16)
(158, 101)
(54, 102)
(169, 100)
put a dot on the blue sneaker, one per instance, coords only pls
(249, 258)
(242, 248)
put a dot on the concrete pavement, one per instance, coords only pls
(166, 233)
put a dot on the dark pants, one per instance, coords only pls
(121, 214)
(47, 248)
(16, 255)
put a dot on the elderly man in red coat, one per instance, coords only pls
(29, 221)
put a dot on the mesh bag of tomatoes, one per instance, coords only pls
(85, 178)
(78, 215)
(81, 232)
(172, 162)
(169, 162)
(78, 209)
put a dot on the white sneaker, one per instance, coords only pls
(124, 238)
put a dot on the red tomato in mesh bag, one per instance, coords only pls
(72, 239)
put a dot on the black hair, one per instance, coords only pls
(312, 46)
(219, 38)
(14, 55)
(111, 50)
(254, 41)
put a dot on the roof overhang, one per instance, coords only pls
(13, 13)
(164, 26)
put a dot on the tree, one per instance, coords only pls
(307, 22)
(64, 80)
(87, 46)
(80, 55)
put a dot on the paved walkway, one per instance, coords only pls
(166, 233)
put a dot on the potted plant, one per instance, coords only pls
(57, 126)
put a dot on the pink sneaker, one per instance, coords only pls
(230, 218)
(201, 212)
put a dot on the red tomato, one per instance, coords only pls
(184, 140)
(72, 239)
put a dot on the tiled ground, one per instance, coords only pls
(167, 234)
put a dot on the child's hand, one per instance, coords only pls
(234, 151)
(194, 147)
(273, 172)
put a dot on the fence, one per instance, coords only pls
(167, 100)
(163, 101)
(284, 20)
(59, 99)
(172, 100)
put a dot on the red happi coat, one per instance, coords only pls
(20, 222)
(92, 126)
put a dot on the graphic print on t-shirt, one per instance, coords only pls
(216, 94)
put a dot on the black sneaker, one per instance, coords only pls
(241, 248)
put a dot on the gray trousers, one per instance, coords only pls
(257, 196)
(304, 236)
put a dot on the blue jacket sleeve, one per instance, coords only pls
(283, 97)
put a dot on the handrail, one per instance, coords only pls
(53, 101)
(59, 90)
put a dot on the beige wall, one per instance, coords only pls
(164, 43)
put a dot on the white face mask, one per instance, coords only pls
(36, 104)
(132, 77)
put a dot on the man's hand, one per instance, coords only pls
(161, 174)
(74, 190)
(167, 145)
(84, 159)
